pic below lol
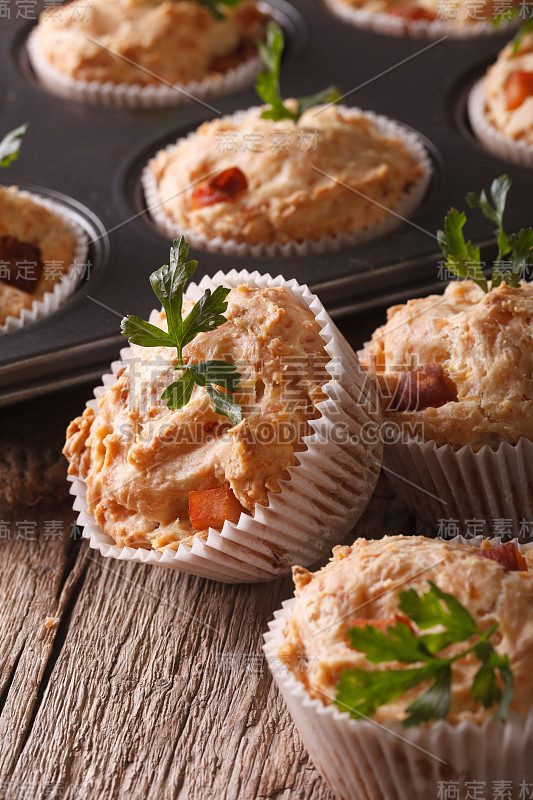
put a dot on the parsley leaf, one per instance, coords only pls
(527, 27)
(505, 16)
(499, 191)
(207, 314)
(10, 145)
(462, 258)
(435, 702)
(267, 85)
(362, 692)
(515, 252)
(214, 6)
(399, 643)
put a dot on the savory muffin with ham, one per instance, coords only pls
(363, 585)
(148, 42)
(404, 662)
(461, 364)
(37, 247)
(508, 90)
(156, 475)
(290, 172)
(456, 379)
(421, 17)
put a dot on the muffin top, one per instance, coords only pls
(461, 364)
(141, 460)
(456, 13)
(261, 181)
(363, 583)
(36, 249)
(509, 91)
(176, 41)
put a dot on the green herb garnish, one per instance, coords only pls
(463, 259)
(268, 88)
(214, 6)
(509, 15)
(527, 27)
(168, 283)
(362, 692)
(10, 145)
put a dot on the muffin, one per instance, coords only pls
(501, 104)
(455, 377)
(42, 251)
(246, 184)
(146, 52)
(417, 18)
(459, 366)
(331, 638)
(279, 483)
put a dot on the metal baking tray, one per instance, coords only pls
(91, 157)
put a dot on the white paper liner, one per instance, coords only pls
(381, 22)
(404, 208)
(327, 491)
(439, 483)
(63, 289)
(490, 137)
(364, 760)
(125, 95)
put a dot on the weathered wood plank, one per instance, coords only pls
(159, 688)
(36, 582)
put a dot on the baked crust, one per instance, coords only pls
(363, 582)
(176, 40)
(12, 301)
(515, 123)
(288, 197)
(140, 459)
(37, 225)
(484, 344)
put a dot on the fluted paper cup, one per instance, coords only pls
(490, 137)
(366, 760)
(64, 288)
(134, 96)
(326, 493)
(391, 25)
(404, 208)
(461, 487)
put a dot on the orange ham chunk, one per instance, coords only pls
(507, 556)
(518, 87)
(210, 508)
(225, 186)
(425, 387)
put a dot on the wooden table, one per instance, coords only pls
(126, 681)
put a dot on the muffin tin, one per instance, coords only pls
(91, 157)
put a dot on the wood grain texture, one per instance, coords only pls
(151, 685)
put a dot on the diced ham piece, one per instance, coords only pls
(507, 556)
(425, 387)
(210, 508)
(227, 185)
(20, 264)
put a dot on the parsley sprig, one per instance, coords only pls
(214, 6)
(527, 27)
(268, 88)
(10, 145)
(509, 15)
(207, 314)
(515, 252)
(363, 692)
